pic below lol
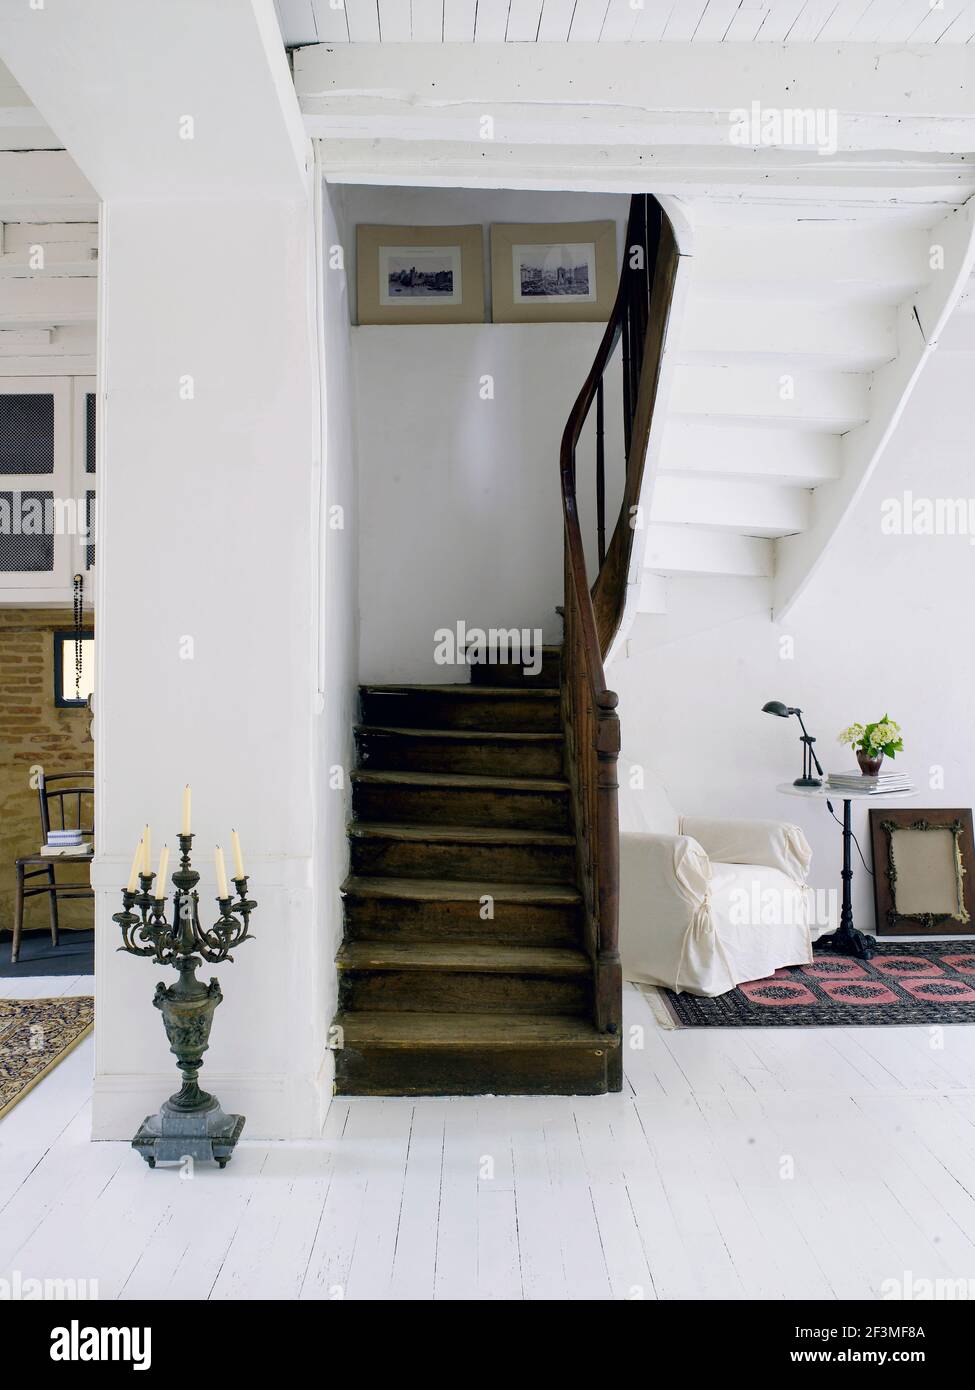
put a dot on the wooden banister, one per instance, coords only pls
(592, 611)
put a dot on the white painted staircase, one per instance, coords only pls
(797, 335)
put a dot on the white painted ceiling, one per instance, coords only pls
(609, 21)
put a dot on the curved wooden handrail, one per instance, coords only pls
(589, 715)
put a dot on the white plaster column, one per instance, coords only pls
(208, 475)
(205, 620)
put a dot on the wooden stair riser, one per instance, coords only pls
(507, 673)
(382, 751)
(460, 991)
(513, 924)
(372, 1070)
(414, 805)
(530, 863)
(525, 712)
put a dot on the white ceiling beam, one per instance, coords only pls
(44, 186)
(886, 98)
(58, 300)
(20, 338)
(56, 364)
(72, 340)
(61, 248)
(860, 182)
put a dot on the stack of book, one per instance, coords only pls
(883, 782)
(65, 842)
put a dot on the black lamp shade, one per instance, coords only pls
(777, 707)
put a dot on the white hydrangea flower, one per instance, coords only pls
(851, 735)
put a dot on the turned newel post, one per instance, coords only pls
(608, 970)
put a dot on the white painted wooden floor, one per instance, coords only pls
(742, 1164)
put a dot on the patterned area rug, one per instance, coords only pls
(908, 982)
(36, 1034)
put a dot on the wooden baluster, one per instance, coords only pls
(627, 412)
(600, 477)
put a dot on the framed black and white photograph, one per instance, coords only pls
(560, 270)
(411, 275)
(553, 272)
(423, 274)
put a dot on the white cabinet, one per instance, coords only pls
(47, 488)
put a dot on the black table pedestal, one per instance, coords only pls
(846, 940)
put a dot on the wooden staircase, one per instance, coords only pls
(481, 948)
(464, 968)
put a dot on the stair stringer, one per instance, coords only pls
(920, 322)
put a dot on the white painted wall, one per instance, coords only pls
(338, 632)
(883, 627)
(461, 494)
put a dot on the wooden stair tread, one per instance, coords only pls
(462, 780)
(456, 834)
(502, 1031)
(463, 956)
(476, 692)
(468, 735)
(547, 647)
(447, 890)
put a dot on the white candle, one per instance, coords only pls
(238, 857)
(221, 873)
(185, 827)
(147, 851)
(159, 890)
(134, 871)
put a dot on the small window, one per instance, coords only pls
(26, 434)
(89, 529)
(89, 432)
(26, 531)
(69, 690)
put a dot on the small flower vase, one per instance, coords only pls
(869, 765)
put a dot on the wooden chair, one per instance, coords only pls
(78, 790)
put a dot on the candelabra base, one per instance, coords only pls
(172, 1135)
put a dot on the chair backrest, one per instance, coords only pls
(71, 798)
(644, 803)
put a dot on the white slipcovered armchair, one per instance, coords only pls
(706, 905)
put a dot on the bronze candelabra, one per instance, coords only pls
(191, 1123)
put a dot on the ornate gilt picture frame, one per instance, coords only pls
(924, 871)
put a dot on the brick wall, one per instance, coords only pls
(34, 730)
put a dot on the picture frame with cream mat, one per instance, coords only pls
(411, 275)
(561, 272)
(924, 871)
